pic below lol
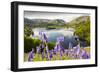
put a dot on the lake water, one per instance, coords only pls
(52, 35)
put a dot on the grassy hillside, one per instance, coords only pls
(82, 28)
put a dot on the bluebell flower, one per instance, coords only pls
(54, 51)
(42, 45)
(31, 55)
(84, 55)
(40, 32)
(60, 39)
(70, 45)
(51, 54)
(56, 48)
(45, 39)
(61, 53)
(42, 55)
(76, 49)
(38, 49)
(47, 50)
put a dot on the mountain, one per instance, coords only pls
(43, 22)
(79, 21)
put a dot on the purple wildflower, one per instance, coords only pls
(31, 55)
(76, 49)
(42, 45)
(60, 48)
(61, 53)
(42, 55)
(45, 38)
(51, 54)
(70, 46)
(56, 48)
(38, 49)
(84, 55)
(54, 51)
(40, 32)
(60, 39)
(47, 51)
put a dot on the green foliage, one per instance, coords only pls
(30, 43)
(27, 31)
(83, 31)
(37, 42)
(51, 45)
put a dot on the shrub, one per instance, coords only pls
(30, 43)
(51, 45)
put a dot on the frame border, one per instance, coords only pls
(14, 35)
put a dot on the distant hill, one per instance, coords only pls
(79, 21)
(43, 22)
(56, 22)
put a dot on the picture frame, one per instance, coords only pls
(49, 12)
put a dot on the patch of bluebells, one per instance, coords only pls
(71, 52)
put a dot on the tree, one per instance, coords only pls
(83, 31)
(28, 31)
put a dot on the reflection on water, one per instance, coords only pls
(52, 34)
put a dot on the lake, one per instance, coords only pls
(52, 35)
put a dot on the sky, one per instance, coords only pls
(67, 17)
